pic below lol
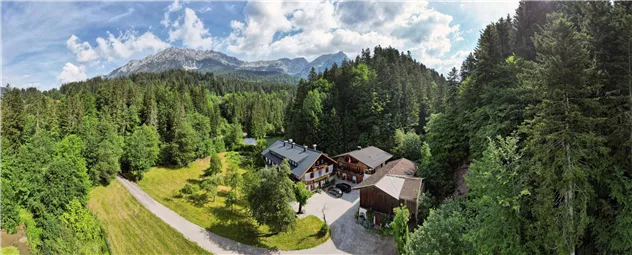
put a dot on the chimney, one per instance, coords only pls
(314, 146)
(283, 143)
(304, 148)
(359, 147)
(292, 144)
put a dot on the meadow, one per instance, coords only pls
(132, 229)
(163, 184)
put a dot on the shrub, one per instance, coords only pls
(324, 229)
(188, 189)
(199, 198)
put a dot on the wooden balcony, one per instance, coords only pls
(350, 167)
(321, 166)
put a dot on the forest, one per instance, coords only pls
(540, 114)
(58, 144)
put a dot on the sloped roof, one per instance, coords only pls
(371, 156)
(411, 188)
(391, 185)
(302, 155)
(401, 166)
(390, 180)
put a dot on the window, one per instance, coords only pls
(311, 175)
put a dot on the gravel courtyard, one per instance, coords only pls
(346, 234)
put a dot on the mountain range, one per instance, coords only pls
(220, 63)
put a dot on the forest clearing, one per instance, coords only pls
(164, 184)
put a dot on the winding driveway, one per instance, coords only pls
(348, 240)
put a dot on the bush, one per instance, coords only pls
(33, 232)
(215, 165)
(199, 198)
(324, 229)
(368, 223)
(188, 189)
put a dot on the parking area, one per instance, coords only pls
(346, 234)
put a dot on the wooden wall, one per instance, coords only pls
(353, 161)
(372, 197)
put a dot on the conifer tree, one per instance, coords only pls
(566, 150)
(12, 117)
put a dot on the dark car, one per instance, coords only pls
(344, 187)
(335, 192)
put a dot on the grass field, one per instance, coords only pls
(271, 139)
(163, 185)
(132, 229)
(10, 250)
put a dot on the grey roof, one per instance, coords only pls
(398, 186)
(371, 156)
(250, 141)
(390, 179)
(303, 156)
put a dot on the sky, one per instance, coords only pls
(46, 44)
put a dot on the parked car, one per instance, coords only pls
(336, 192)
(346, 188)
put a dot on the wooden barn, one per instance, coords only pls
(391, 185)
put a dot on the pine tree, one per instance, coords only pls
(12, 117)
(529, 15)
(452, 89)
(566, 150)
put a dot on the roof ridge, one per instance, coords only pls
(404, 176)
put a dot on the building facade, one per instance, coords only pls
(355, 166)
(308, 165)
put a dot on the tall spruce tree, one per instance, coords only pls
(566, 150)
(12, 117)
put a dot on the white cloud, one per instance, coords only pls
(442, 65)
(283, 29)
(71, 73)
(207, 9)
(84, 51)
(117, 17)
(124, 46)
(173, 7)
(192, 32)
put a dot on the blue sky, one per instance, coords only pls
(45, 44)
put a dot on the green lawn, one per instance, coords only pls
(271, 139)
(132, 229)
(163, 185)
(10, 250)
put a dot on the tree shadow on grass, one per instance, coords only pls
(222, 193)
(194, 181)
(237, 225)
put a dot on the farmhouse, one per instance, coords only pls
(391, 185)
(308, 165)
(356, 165)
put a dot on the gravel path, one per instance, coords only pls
(206, 239)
